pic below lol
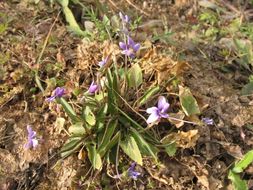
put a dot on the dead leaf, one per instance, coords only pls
(198, 169)
(82, 155)
(8, 162)
(59, 124)
(180, 68)
(233, 150)
(179, 115)
(183, 139)
(163, 65)
(187, 139)
(10, 95)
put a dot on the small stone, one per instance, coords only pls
(89, 26)
(244, 99)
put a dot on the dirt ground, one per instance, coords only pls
(67, 58)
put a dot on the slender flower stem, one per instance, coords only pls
(176, 119)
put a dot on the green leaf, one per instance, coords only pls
(188, 102)
(77, 129)
(63, 3)
(112, 96)
(135, 76)
(71, 146)
(125, 118)
(237, 182)
(111, 144)
(101, 117)
(149, 94)
(108, 133)
(106, 21)
(171, 149)
(70, 18)
(36, 1)
(73, 25)
(37, 80)
(99, 97)
(144, 146)
(249, 126)
(245, 52)
(129, 119)
(89, 116)
(94, 157)
(247, 89)
(68, 109)
(130, 147)
(244, 162)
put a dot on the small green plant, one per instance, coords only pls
(103, 27)
(107, 121)
(247, 30)
(5, 20)
(245, 52)
(209, 17)
(107, 118)
(239, 167)
(210, 20)
(4, 58)
(104, 123)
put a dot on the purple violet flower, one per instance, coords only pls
(58, 93)
(156, 113)
(132, 173)
(124, 18)
(103, 62)
(93, 88)
(129, 48)
(208, 121)
(32, 140)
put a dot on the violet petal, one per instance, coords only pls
(136, 47)
(93, 88)
(153, 117)
(130, 42)
(164, 115)
(122, 45)
(161, 102)
(152, 110)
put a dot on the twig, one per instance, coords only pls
(137, 8)
(47, 38)
(231, 7)
(37, 79)
(113, 4)
(126, 103)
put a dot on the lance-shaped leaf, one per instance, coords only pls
(72, 145)
(94, 157)
(247, 89)
(237, 182)
(244, 162)
(130, 147)
(77, 129)
(149, 94)
(108, 133)
(188, 102)
(68, 109)
(89, 117)
(114, 140)
(112, 91)
(145, 147)
(171, 149)
(100, 117)
(135, 76)
(73, 25)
